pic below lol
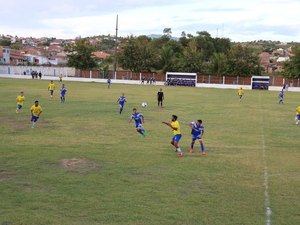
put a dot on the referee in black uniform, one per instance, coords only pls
(160, 97)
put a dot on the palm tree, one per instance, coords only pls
(166, 58)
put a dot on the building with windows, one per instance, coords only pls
(4, 55)
(17, 57)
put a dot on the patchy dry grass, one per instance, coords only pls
(76, 164)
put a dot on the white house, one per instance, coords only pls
(37, 59)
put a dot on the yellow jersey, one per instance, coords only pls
(175, 124)
(240, 92)
(36, 110)
(51, 86)
(298, 110)
(20, 99)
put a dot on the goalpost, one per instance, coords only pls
(181, 79)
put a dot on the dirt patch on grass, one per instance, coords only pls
(20, 126)
(78, 164)
(17, 123)
(5, 175)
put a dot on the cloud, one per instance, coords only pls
(238, 20)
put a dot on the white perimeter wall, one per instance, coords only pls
(45, 70)
(198, 85)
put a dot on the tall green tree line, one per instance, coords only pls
(201, 53)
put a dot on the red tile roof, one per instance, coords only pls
(101, 55)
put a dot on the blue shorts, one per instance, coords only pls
(298, 117)
(51, 92)
(62, 95)
(121, 105)
(19, 106)
(176, 137)
(198, 137)
(34, 118)
(138, 126)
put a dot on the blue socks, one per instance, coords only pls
(202, 147)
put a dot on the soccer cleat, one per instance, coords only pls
(191, 150)
(180, 155)
(203, 153)
(32, 126)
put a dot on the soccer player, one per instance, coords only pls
(139, 120)
(281, 96)
(20, 101)
(51, 88)
(108, 83)
(63, 91)
(160, 97)
(197, 134)
(241, 93)
(175, 126)
(121, 100)
(60, 78)
(297, 118)
(36, 111)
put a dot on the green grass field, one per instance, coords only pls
(84, 164)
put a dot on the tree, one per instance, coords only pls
(137, 55)
(5, 42)
(191, 59)
(183, 40)
(219, 64)
(166, 59)
(79, 55)
(222, 45)
(205, 44)
(167, 32)
(16, 46)
(242, 61)
(292, 68)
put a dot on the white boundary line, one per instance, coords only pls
(266, 182)
(265, 172)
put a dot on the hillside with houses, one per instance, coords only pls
(45, 51)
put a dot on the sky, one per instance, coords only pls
(243, 20)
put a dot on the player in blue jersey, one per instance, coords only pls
(63, 91)
(139, 120)
(108, 83)
(121, 100)
(197, 134)
(281, 96)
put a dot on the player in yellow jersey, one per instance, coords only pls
(297, 114)
(36, 111)
(175, 126)
(241, 93)
(20, 101)
(51, 88)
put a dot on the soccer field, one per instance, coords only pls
(84, 164)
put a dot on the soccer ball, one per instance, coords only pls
(144, 104)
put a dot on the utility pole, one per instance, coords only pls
(116, 46)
